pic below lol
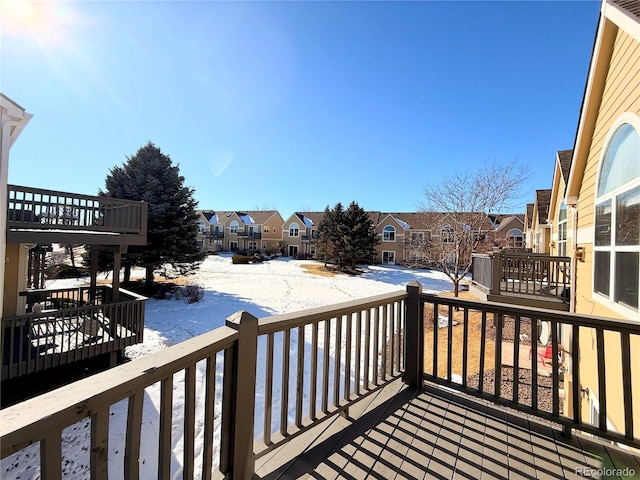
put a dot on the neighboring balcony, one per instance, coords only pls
(44, 328)
(214, 234)
(531, 279)
(252, 235)
(379, 387)
(308, 238)
(36, 215)
(68, 325)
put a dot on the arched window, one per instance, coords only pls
(201, 226)
(233, 226)
(514, 238)
(616, 272)
(388, 234)
(447, 235)
(294, 230)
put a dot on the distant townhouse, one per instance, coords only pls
(298, 234)
(402, 236)
(244, 231)
(210, 231)
(507, 231)
(250, 231)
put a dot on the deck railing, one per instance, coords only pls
(526, 275)
(59, 298)
(39, 209)
(252, 234)
(68, 326)
(317, 363)
(482, 267)
(470, 360)
(300, 369)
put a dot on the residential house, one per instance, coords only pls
(561, 224)
(507, 231)
(210, 231)
(298, 234)
(402, 238)
(270, 223)
(602, 199)
(540, 229)
(43, 328)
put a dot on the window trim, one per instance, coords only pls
(232, 224)
(563, 227)
(296, 230)
(516, 241)
(389, 233)
(450, 234)
(609, 300)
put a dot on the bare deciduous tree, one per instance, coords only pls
(458, 209)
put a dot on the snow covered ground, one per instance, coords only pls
(272, 287)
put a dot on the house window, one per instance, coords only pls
(274, 230)
(389, 234)
(562, 231)
(447, 235)
(514, 238)
(201, 226)
(266, 229)
(388, 257)
(617, 220)
(233, 226)
(294, 230)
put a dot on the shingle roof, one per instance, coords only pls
(565, 157)
(315, 217)
(529, 214)
(631, 7)
(259, 216)
(543, 198)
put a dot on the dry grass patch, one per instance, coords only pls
(473, 341)
(319, 269)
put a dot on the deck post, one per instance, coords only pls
(93, 272)
(414, 337)
(496, 273)
(241, 461)
(117, 265)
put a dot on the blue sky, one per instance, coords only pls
(295, 105)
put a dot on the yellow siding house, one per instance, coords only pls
(603, 198)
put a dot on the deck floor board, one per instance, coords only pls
(434, 433)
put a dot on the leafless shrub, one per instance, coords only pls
(193, 293)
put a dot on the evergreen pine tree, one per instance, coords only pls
(323, 236)
(172, 224)
(357, 238)
(327, 234)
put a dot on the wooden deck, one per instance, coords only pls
(398, 433)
